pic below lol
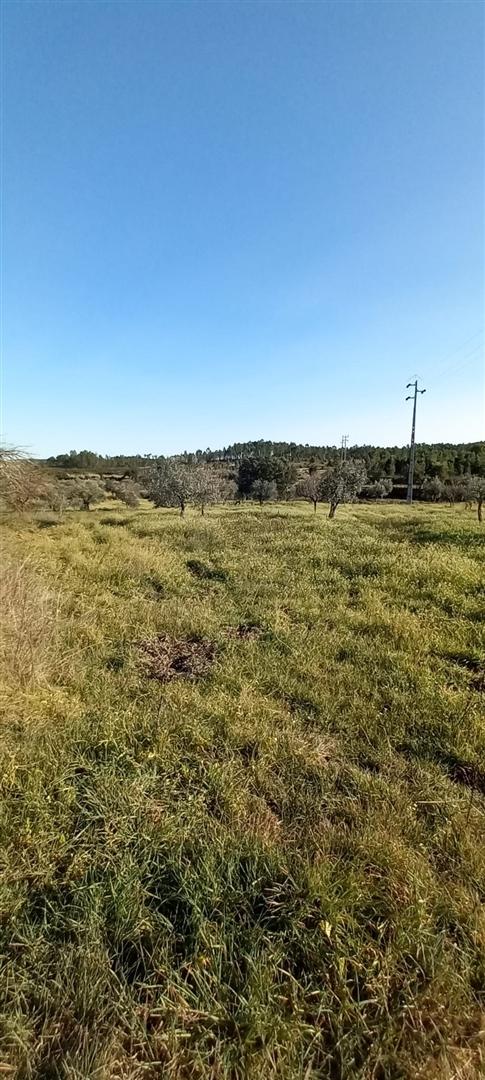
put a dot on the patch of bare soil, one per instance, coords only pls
(209, 573)
(244, 630)
(474, 665)
(165, 658)
(463, 772)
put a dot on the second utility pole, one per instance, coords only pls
(412, 452)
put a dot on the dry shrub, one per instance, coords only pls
(22, 484)
(29, 631)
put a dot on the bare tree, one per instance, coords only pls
(264, 491)
(309, 488)
(342, 483)
(21, 481)
(171, 484)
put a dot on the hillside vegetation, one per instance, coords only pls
(442, 460)
(243, 794)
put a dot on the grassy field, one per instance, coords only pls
(243, 794)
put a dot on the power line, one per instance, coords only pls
(453, 352)
(412, 451)
(465, 361)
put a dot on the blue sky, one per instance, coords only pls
(241, 220)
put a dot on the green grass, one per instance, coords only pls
(277, 870)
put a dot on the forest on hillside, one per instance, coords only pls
(433, 460)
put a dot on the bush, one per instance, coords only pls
(379, 489)
(22, 484)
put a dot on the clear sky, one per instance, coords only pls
(240, 220)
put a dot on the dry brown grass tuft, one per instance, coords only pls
(30, 625)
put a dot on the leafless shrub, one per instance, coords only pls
(22, 484)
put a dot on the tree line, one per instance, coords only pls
(441, 460)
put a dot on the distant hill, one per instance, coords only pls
(432, 459)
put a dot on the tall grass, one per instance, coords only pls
(275, 870)
(29, 635)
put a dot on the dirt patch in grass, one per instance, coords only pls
(48, 522)
(116, 523)
(165, 658)
(300, 706)
(468, 774)
(459, 771)
(209, 573)
(470, 663)
(244, 630)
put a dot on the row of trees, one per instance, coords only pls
(170, 482)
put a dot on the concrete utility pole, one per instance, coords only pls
(343, 448)
(412, 452)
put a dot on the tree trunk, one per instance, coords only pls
(332, 510)
(315, 505)
(182, 509)
(479, 509)
(202, 509)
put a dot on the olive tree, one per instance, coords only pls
(171, 484)
(229, 491)
(309, 488)
(206, 487)
(85, 492)
(128, 493)
(264, 491)
(457, 489)
(125, 490)
(432, 489)
(56, 496)
(476, 492)
(378, 489)
(342, 483)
